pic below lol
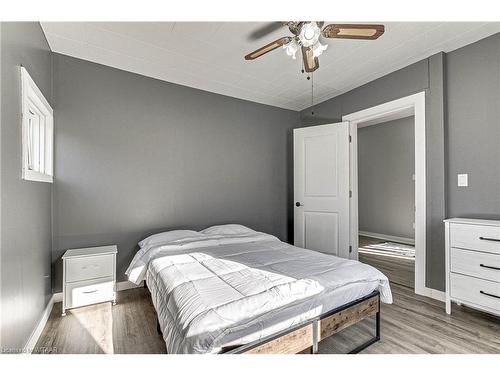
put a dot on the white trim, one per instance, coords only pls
(353, 203)
(433, 293)
(385, 110)
(30, 175)
(35, 335)
(387, 237)
(407, 112)
(32, 96)
(57, 297)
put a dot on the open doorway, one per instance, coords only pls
(411, 108)
(386, 197)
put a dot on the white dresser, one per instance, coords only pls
(89, 276)
(473, 264)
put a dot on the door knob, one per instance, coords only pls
(298, 204)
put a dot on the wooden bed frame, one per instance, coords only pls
(304, 338)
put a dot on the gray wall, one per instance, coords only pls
(25, 206)
(134, 155)
(426, 75)
(386, 190)
(473, 85)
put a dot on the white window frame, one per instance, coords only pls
(32, 98)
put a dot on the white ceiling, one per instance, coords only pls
(209, 55)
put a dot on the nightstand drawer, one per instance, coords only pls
(91, 267)
(477, 264)
(88, 292)
(475, 237)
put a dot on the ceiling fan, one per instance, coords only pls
(306, 37)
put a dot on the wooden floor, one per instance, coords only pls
(399, 270)
(127, 327)
(413, 324)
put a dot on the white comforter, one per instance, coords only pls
(212, 292)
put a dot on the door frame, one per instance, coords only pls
(412, 104)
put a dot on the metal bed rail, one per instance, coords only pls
(315, 324)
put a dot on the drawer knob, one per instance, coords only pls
(490, 267)
(89, 291)
(489, 239)
(489, 294)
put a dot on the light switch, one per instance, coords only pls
(463, 179)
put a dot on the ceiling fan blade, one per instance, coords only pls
(266, 29)
(311, 63)
(268, 48)
(353, 31)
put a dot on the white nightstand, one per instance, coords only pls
(89, 276)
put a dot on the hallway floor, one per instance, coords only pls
(399, 269)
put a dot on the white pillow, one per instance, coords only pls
(227, 229)
(169, 236)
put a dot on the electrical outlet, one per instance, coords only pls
(463, 180)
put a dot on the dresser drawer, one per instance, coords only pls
(88, 292)
(91, 267)
(475, 237)
(476, 291)
(474, 263)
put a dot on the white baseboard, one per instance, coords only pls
(405, 240)
(432, 293)
(35, 335)
(57, 297)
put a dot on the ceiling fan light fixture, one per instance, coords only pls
(292, 48)
(309, 34)
(319, 48)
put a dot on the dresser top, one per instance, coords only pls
(90, 251)
(462, 220)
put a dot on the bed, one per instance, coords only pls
(229, 289)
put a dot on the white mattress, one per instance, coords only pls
(219, 291)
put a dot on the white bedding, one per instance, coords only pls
(214, 291)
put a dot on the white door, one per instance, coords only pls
(321, 188)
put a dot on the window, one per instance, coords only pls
(37, 132)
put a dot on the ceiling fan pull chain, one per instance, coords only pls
(312, 93)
